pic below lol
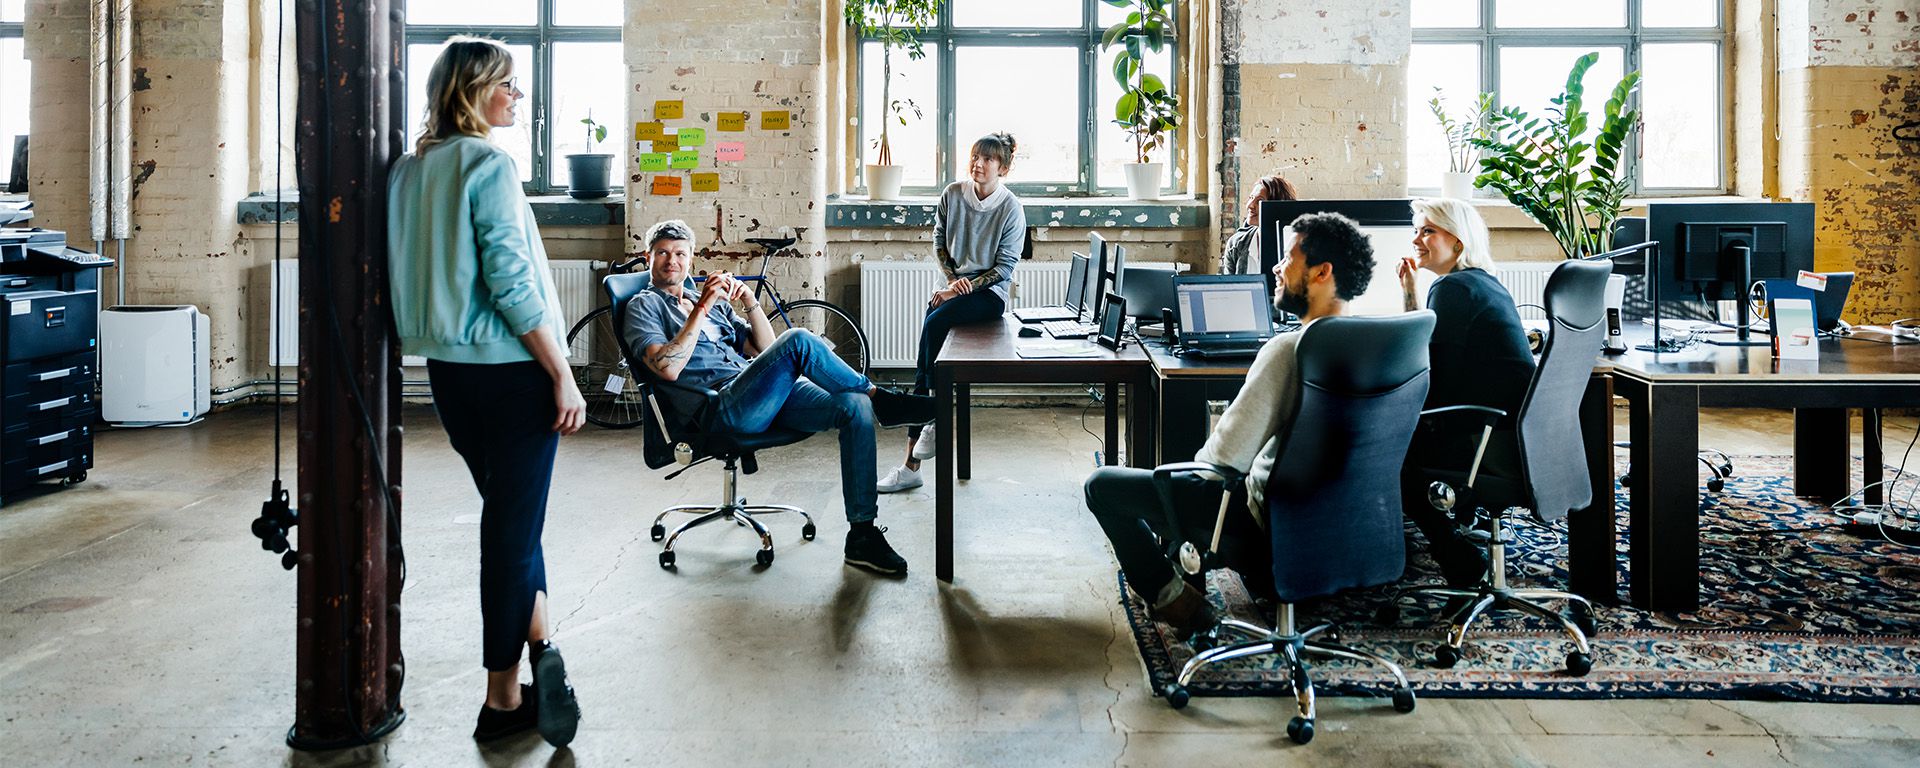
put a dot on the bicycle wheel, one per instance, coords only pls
(593, 352)
(832, 324)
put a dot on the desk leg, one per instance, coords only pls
(1142, 442)
(1664, 505)
(1111, 454)
(1874, 470)
(943, 476)
(963, 430)
(1591, 532)
(1820, 453)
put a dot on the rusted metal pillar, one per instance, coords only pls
(348, 132)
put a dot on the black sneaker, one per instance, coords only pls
(868, 549)
(559, 711)
(896, 409)
(498, 724)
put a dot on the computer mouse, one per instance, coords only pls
(1028, 331)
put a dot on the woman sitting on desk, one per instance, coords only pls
(979, 230)
(1479, 357)
(1244, 245)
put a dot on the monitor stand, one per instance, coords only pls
(1744, 316)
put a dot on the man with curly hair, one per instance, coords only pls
(1330, 264)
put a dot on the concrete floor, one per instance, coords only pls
(141, 623)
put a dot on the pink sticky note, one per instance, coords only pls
(730, 151)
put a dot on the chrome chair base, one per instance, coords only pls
(1292, 646)
(732, 507)
(1494, 595)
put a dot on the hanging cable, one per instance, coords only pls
(277, 517)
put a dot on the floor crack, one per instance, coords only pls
(1778, 748)
(1106, 678)
(618, 559)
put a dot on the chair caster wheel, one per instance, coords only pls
(1583, 618)
(666, 560)
(1177, 695)
(75, 478)
(1579, 664)
(807, 531)
(1445, 656)
(1388, 615)
(1403, 700)
(658, 532)
(1300, 730)
(763, 557)
(1715, 485)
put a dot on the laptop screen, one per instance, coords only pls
(1223, 307)
(1076, 281)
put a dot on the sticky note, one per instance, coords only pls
(666, 145)
(686, 158)
(649, 131)
(775, 120)
(706, 182)
(669, 110)
(1813, 280)
(730, 151)
(654, 161)
(692, 137)
(733, 121)
(666, 185)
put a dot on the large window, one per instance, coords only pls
(1033, 68)
(566, 57)
(1520, 50)
(16, 78)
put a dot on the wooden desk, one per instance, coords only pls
(1665, 393)
(985, 353)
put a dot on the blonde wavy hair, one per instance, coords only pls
(458, 87)
(1459, 218)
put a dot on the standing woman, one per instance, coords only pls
(471, 293)
(979, 230)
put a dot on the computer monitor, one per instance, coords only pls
(1716, 251)
(1222, 307)
(1076, 282)
(1095, 285)
(1149, 288)
(1276, 215)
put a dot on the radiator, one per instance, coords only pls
(577, 281)
(893, 299)
(1527, 282)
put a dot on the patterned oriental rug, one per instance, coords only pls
(1797, 607)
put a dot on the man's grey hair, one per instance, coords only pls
(671, 229)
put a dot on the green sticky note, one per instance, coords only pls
(686, 158)
(693, 137)
(653, 161)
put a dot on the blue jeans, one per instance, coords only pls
(977, 307)
(832, 396)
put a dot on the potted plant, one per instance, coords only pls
(1541, 164)
(1147, 109)
(1457, 182)
(588, 173)
(893, 24)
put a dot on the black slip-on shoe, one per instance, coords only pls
(892, 410)
(559, 710)
(498, 724)
(867, 548)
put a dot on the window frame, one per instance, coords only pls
(1085, 39)
(1631, 39)
(542, 35)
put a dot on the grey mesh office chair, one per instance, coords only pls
(1549, 477)
(1334, 525)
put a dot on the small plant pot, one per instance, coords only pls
(1143, 180)
(588, 176)
(1456, 185)
(883, 181)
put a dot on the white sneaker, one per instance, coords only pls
(900, 479)
(923, 448)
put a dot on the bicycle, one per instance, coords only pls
(593, 346)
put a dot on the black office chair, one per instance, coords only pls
(1547, 473)
(690, 439)
(1334, 524)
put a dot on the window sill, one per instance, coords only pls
(548, 210)
(1501, 214)
(1184, 212)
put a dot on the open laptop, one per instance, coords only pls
(1827, 303)
(1076, 286)
(1223, 315)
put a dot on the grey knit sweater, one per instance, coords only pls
(982, 239)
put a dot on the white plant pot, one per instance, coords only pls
(883, 181)
(1456, 185)
(1143, 180)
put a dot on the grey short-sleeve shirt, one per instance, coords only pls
(654, 317)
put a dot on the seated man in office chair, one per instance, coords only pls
(1330, 263)
(793, 380)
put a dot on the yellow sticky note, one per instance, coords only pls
(684, 159)
(692, 137)
(775, 120)
(653, 161)
(649, 131)
(666, 145)
(666, 185)
(669, 110)
(733, 121)
(706, 182)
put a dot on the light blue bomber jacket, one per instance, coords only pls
(466, 268)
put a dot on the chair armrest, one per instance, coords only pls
(1490, 414)
(1488, 417)
(1219, 474)
(708, 400)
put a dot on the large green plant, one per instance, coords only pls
(893, 24)
(1147, 109)
(1542, 166)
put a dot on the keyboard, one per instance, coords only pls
(1069, 329)
(1043, 314)
(1225, 350)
